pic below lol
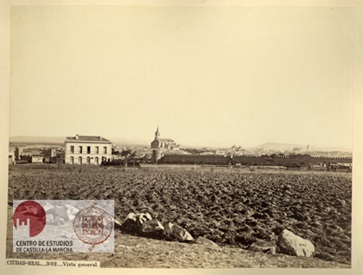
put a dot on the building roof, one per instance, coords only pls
(80, 139)
(32, 152)
(165, 140)
(36, 152)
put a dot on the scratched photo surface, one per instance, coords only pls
(222, 135)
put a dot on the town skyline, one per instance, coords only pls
(278, 146)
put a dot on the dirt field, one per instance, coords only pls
(233, 207)
(138, 252)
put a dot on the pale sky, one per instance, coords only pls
(216, 75)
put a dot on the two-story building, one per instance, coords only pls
(87, 150)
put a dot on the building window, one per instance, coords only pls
(72, 149)
(105, 150)
(96, 160)
(80, 160)
(88, 149)
(80, 149)
(88, 160)
(72, 160)
(97, 150)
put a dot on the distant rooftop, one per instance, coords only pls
(33, 152)
(79, 138)
(166, 140)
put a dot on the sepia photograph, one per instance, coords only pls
(181, 135)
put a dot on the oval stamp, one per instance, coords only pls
(93, 225)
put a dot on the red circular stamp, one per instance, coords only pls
(93, 225)
(30, 215)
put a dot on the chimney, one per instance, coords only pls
(77, 137)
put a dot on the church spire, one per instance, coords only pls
(157, 133)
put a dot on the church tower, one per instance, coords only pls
(159, 145)
(155, 146)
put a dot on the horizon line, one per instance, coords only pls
(211, 144)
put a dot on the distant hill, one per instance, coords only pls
(34, 139)
(282, 147)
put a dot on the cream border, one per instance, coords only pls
(357, 259)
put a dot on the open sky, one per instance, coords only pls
(211, 75)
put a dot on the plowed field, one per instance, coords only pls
(229, 206)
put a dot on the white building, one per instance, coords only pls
(37, 158)
(11, 156)
(87, 150)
